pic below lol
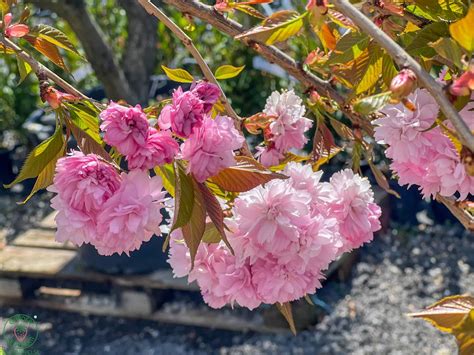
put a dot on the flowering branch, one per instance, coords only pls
(404, 60)
(464, 217)
(188, 43)
(40, 68)
(272, 54)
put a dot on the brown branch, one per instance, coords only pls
(404, 60)
(40, 68)
(188, 43)
(463, 216)
(272, 54)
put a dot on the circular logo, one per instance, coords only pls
(20, 331)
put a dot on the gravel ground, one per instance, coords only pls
(400, 272)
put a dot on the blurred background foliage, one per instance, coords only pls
(247, 92)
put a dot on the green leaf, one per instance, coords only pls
(438, 10)
(448, 49)
(370, 104)
(211, 234)
(193, 230)
(45, 178)
(167, 174)
(373, 70)
(348, 48)
(54, 36)
(215, 213)
(421, 39)
(389, 71)
(178, 75)
(228, 71)
(40, 157)
(24, 68)
(280, 26)
(184, 199)
(463, 30)
(86, 117)
(244, 176)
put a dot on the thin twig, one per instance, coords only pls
(404, 60)
(272, 54)
(40, 68)
(463, 216)
(188, 43)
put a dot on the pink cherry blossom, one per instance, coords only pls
(132, 215)
(83, 183)
(160, 148)
(288, 130)
(268, 156)
(184, 113)
(275, 282)
(423, 155)
(211, 147)
(352, 204)
(126, 128)
(208, 93)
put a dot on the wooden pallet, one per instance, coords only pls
(35, 270)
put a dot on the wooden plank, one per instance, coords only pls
(41, 238)
(34, 261)
(206, 318)
(49, 222)
(16, 261)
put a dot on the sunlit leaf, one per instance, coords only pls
(54, 36)
(349, 47)
(449, 50)
(438, 10)
(244, 176)
(249, 10)
(373, 70)
(40, 157)
(167, 174)
(463, 30)
(23, 68)
(228, 71)
(327, 37)
(47, 49)
(370, 104)
(178, 75)
(277, 28)
(389, 71)
(421, 39)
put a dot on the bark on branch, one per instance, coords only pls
(272, 54)
(404, 60)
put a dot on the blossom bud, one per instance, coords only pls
(464, 84)
(403, 84)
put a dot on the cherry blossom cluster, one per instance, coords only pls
(114, 212)
(208, 142)
(284, 234)
(287, 129)
(423, 155)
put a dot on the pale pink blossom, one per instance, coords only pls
(184, 113)
(132, 215)
(160, 148)
(208, 93)
(83, 183)
(269, 217)
(351, 202)
(289, 127)
(126, 128)
(211, 147)
(423, 155)
(275, 282)
(268, 156)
